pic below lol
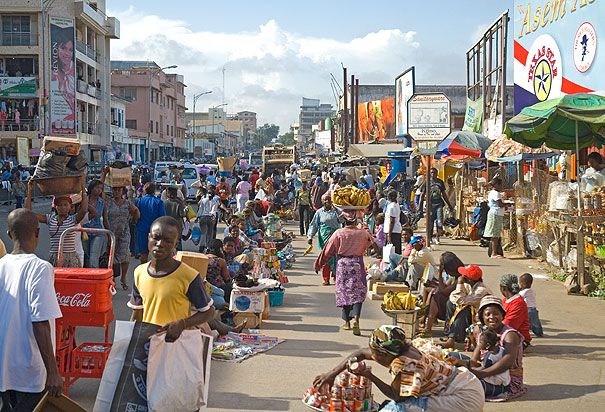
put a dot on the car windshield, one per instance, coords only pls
(189, 174)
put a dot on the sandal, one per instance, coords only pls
(326, 283)
(356, 330)
(345, 327)
(124, 286)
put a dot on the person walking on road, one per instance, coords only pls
(243, 193)
(495, 219)
(348, 245)
(175, 208)
(439, 199)
(95, 245)
(150, 208)
(325, 222)
(302, 203)
(28, 309)
(207, 215)
(392, 222)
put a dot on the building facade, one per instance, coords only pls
(55, 74)
(312, 111)
(155, 114)
(249, 125)
(124, 146)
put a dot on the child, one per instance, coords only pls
(525, 281)
(229, 256)
(380, 237)
(492, 353)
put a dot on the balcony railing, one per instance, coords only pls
(24, 125)
(18, 39)
(87, 127)
(87, 50)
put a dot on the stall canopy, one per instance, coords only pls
(504, 150)
(374, 151)
(464, 143)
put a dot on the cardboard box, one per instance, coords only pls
(375, 296)
(381, 287)
(197, 261)
(61, 404)
(265, 314)
(253, 320)
(68, 145)
(246, 301)
(371, 283)
(119, 177)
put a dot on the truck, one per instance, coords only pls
(278, 157)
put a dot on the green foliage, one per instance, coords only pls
(287, 139)
(264, 135)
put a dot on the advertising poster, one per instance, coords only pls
(23, 151)
(323, 139)
(429, 117)
(404, 90)
(473, 118)
(19, 87)
(376, 120)
(557, 49)
(62, 77)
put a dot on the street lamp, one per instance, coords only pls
(195, 97)
(149, 127)
(213, 109)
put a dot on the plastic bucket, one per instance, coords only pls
(276, 298)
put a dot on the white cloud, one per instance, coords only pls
(268, 70)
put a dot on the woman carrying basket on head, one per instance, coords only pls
(325, 222)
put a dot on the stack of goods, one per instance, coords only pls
(286, 257)
(351, 197)
(120, 174)
(594, 203)
(61, 161)
(266, 262)
(348, 394)
(273, 226)
(235, 347)
(225, 165)
(595, 241)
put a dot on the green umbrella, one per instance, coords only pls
(571, 122)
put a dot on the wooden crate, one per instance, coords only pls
(68, 145)
(381, 288)
(254, 319)
(408, 320)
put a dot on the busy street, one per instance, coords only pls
(302, 206)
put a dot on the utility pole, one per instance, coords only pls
(353, 109)
(195, 97)
(356, 120)
(345, 112)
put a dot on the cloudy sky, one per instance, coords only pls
(276, 52)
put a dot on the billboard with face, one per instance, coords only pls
(62, 77)
(404, 89)
(557, 49)
(376, 120)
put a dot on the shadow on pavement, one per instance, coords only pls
(313, 348)
(568, 352)
(300, 327)
(556, 391)
(239, 401)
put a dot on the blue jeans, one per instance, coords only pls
(490, 390)
(534, 322)
(436, 219)
(218, 297)
(94, 248)
(409, 404)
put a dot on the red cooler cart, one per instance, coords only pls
(85, 298)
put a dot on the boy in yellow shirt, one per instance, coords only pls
(165, 289)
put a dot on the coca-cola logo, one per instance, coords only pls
(77, 300)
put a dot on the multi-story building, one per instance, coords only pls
(124, 146)
(226, 132)
(249, 124)
(155, 114)
(55, 74)
(312, 111)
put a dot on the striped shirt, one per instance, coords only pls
(55, 230)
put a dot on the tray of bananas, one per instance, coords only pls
(351, 198)
(402, 302)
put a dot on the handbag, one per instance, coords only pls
(473, 232)
(190, 214)
(387, 250)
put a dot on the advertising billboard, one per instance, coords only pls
(323, 139)
(429, 117)
(376, 120)
(19, 87)
(62, 77)
(557, 49)
(404, 89)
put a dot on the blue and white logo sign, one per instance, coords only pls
(584, 47)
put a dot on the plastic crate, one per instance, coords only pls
(62, 357)
(84, 290)
(88, 359)
(276, 297)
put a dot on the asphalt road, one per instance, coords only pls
(564, 371)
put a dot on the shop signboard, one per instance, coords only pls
(557, 49)
(376, 120)
(323, 139)
(23, 151)
(62, 77)
(404, 90)
(18, 87)
(428, 119)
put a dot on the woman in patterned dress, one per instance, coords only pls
(116, 215)
(348, 245)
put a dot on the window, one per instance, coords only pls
(171, 130)
(128, 93)
(16, 31)
(131, 124)
(157, 127)
(151, 126)
(167, 130)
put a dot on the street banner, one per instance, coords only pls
(404, 90)
(23, 151)
(376, 120)
(62, 77)
(19, 87)
(473, 118)
(556, 49)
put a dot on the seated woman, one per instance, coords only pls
(218, 273)
(445, 283)
(517, 315)
(229, 254)
(242, 242)
(252, 229)
(399, 263)
(463, 303)
(491, 316)
(421, 382)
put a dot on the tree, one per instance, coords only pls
(265, 134)
(287, 139)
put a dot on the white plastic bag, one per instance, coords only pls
(175, 373)
(386, 252)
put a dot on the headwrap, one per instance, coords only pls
(326, 195)
(388, 339)
(318, 181)
(510, 282)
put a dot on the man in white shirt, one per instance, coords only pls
(392, 222)
(28, 309)
(242, 193)
(207, 215)
(369, 179)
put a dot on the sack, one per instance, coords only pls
(387, 250)
(186, 234)
(196, 234)
(190, 215)
(119, 177)
(177, 373)
(473, 232)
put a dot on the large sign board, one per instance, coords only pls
(19, 87)
(404, 90)
(557, 49)
(62, 77)
(429, 118)
(376, 120)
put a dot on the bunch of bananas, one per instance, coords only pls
(399, 301)
(350, 196)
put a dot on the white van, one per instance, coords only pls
(190, 175)
(161, 171)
